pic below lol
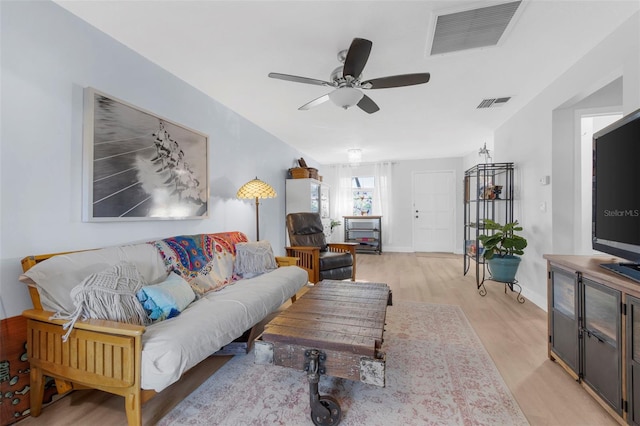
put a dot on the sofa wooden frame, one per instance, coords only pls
(309, 258)
(99, 354)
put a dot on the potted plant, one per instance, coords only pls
(502, 248)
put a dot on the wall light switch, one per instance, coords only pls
(544, 180)
(543, 206)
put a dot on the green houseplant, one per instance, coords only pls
(502, 249)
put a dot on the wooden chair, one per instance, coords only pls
(332, 261)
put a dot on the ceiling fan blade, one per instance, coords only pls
(367, 105)
(317, 101)
(297, 79)
(396, 81)
(357, 57)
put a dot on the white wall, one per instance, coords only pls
(402, 210)
(590, 117)
(540, 140)
(48, 57)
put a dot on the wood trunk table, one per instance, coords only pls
(336, 328)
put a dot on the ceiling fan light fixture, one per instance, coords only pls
(347, 80)
(346, 97)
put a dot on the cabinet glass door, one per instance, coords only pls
(564, 317)
(324, 201)
(633, 359)
(602, 355)
(315, 198)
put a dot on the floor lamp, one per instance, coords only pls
(256, 189)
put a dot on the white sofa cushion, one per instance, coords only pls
(171, 347)
(57, 276)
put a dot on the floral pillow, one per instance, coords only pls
(204, 260)
(213, 277)
(190, 254)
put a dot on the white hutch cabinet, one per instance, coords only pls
(309, 195)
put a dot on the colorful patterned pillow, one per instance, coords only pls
(213, 277)
(207, 257)
(182, 254)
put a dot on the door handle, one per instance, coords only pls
(596, 335)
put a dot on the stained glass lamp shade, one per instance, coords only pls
(256, 189)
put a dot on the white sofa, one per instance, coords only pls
(138, 361)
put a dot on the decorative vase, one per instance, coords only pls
(497, 190)
(504, 268)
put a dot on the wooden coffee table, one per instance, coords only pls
(336, 328)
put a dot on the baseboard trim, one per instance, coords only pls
(404, 249)
(397, 249)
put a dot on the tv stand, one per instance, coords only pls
(594, 329)
(629, 270)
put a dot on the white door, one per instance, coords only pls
(434, 197)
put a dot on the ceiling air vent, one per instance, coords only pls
(493, 102)
(470, 29)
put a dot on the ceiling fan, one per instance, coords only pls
(347, 81)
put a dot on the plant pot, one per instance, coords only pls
(504, 268)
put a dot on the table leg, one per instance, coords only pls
(325, 410)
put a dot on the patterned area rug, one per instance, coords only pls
(438, 372)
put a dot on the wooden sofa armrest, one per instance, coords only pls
(282, 262)
(99, 326)
(286, 261)
(99, 354)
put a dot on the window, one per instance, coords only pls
(362, 189)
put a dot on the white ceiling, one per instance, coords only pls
(227, 48)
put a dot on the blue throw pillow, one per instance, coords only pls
(167, 299)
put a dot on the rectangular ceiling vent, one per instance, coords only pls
(470, 29)
(493, 102)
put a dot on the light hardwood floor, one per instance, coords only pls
(514, 335)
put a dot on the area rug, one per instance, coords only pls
(437, 373)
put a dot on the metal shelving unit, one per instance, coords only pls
(488, 194)
(366, 231)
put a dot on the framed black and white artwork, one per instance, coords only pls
(139, 166)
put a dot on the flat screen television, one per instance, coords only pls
(616, 194)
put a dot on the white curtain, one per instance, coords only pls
(341, 196)
(382, 198)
